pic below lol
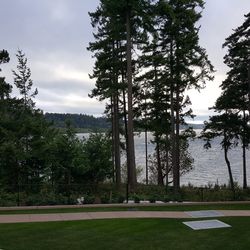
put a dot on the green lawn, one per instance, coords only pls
(127, 234)
(139, 208)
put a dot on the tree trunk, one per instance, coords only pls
(159, 167)
(172, 134)
(177, 143)
(146, 154)
(131, 148)
(244, 151)
(228, 167)
(116, 127)
(249, 89)
(172, 137)
(113, 140)
(117, 142)
(167, 166)
(125, 125)
(123, 74)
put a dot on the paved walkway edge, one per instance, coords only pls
(17, 218)
(124, 205)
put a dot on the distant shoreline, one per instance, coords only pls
(83, 123)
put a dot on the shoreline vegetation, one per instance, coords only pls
(107, 194)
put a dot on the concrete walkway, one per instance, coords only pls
(15, 218)
(125, 205)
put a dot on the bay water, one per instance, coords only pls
(209, 166)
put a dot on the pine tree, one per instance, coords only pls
(8, 117)
(31, 133)
(23, 81)
(118, 23)
(226, 126)
(107, 70)
(174, 62)
(187, 65)
(233, 104)
(236, 87)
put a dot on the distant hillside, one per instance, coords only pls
(194, 126)
(86, 122)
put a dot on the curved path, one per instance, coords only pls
(15, 218)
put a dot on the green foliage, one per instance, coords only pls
(23, 81)
(7, 199)
(77, 121)
(33, 155)
(165, 158)
(25, 135)
(97, 158)
(136, 198)
(231, 124)
(89, 199)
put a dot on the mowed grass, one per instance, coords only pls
(127, 234)
(172, 207)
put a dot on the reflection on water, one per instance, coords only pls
(209, 165)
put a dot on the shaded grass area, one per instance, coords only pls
(123, 234)
(136, 208)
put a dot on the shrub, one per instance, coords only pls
(152, 199)
(105, 199)
(136, 198)
(121, 199)
(7, 199)
(89, 199)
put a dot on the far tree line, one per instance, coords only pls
(78, 121)
(93, 123)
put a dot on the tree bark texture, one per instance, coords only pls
(244, 151)
(228, 166)
(117, 142)
(131, 148)
(160, 181)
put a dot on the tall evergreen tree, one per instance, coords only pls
(187, 65)
(5, 121)
(236, 87)
(173, 58)
(23, 81)
(233, 104)
(31, 133)
(225, 126)
(118, 24)
(107, 71)
(8, 117)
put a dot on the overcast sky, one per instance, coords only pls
(54, 35)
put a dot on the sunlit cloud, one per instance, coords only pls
(72, 104)
(62, 72)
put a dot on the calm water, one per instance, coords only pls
(209, 165)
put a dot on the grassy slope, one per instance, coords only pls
(123, 234)
(139, 208)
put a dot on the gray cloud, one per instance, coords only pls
(54, 35)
